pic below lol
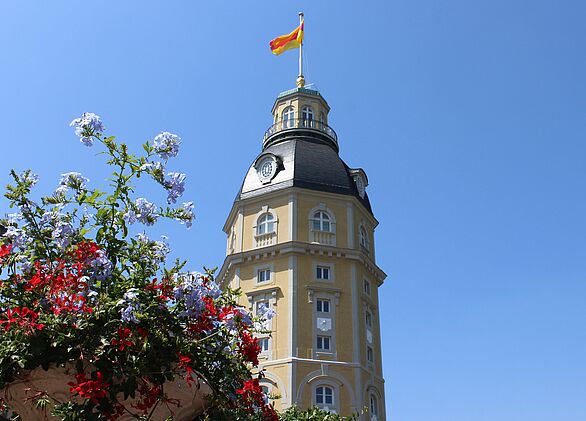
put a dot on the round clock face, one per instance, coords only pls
(266, 169)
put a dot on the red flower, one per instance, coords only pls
(249, 347)
(184, 361)
(4, 251)
(23, 317)
(123, 333)
(150, 396)
(90, 389)
(254, 397)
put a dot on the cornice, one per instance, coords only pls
(299, 248)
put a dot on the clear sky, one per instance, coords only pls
(469, 118)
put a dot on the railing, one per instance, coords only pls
(323, 237)
(301, 123)
(263, 240)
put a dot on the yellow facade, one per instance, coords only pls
(324, 348)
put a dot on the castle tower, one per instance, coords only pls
(301, 241)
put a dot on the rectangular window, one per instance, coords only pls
(324, 395)
(323, 343)
(264, 344)
(263, 275)
(369, 354)
(323, 306)
(323, 272)
(366, 287)
(368, 319)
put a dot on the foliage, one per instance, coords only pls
(77, 288)
(312, 414)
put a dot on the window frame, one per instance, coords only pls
(323, 395)
(321, 304)
(369, 354)
(288, 117)
(324, 339)
(367, 287)
(263, 223)
(321, 221)
(265, 340)
(321, 270)
(263, 270)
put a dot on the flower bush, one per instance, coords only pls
(78, 289)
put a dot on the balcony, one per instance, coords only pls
(264, 240)
(327, 238)
(303, 124)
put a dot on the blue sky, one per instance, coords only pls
(468, 117)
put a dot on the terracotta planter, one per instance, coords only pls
(21, 395)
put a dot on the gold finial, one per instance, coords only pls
(300, 81)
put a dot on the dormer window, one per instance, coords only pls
(307, 116)
(288, 118)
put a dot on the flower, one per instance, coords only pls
(185, 214)
(123, 333)
(166, 145)
(62, 234)
(145, 212)
(23, 317)
(88, 125)
(90, 389)
(132, 307)
(18, 238)
(175, 185)
(4, 251)
(73, 180)
(101, 266)
(29, 178)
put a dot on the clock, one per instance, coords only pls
(266, 168)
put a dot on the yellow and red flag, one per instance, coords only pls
(286, 42)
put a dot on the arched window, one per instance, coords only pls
(288, 117)
(265, 225)
(364, 238)
(324, 397)
(307, 116)
(321, 221)
(373, 408)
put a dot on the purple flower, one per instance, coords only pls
(175, 186)
(144, 212)
(161, 249)
(166, 145)
(185, 214)
(62, 234)
(265, 312)
(29, 178)
(73, 180)
(18, 237)
(14, 218)
(130, 217)
(88, 125)
(191, 289)
(101, 266)
(131, 306)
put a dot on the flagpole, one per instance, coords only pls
(300, 78)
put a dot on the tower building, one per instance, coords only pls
(300, 240)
